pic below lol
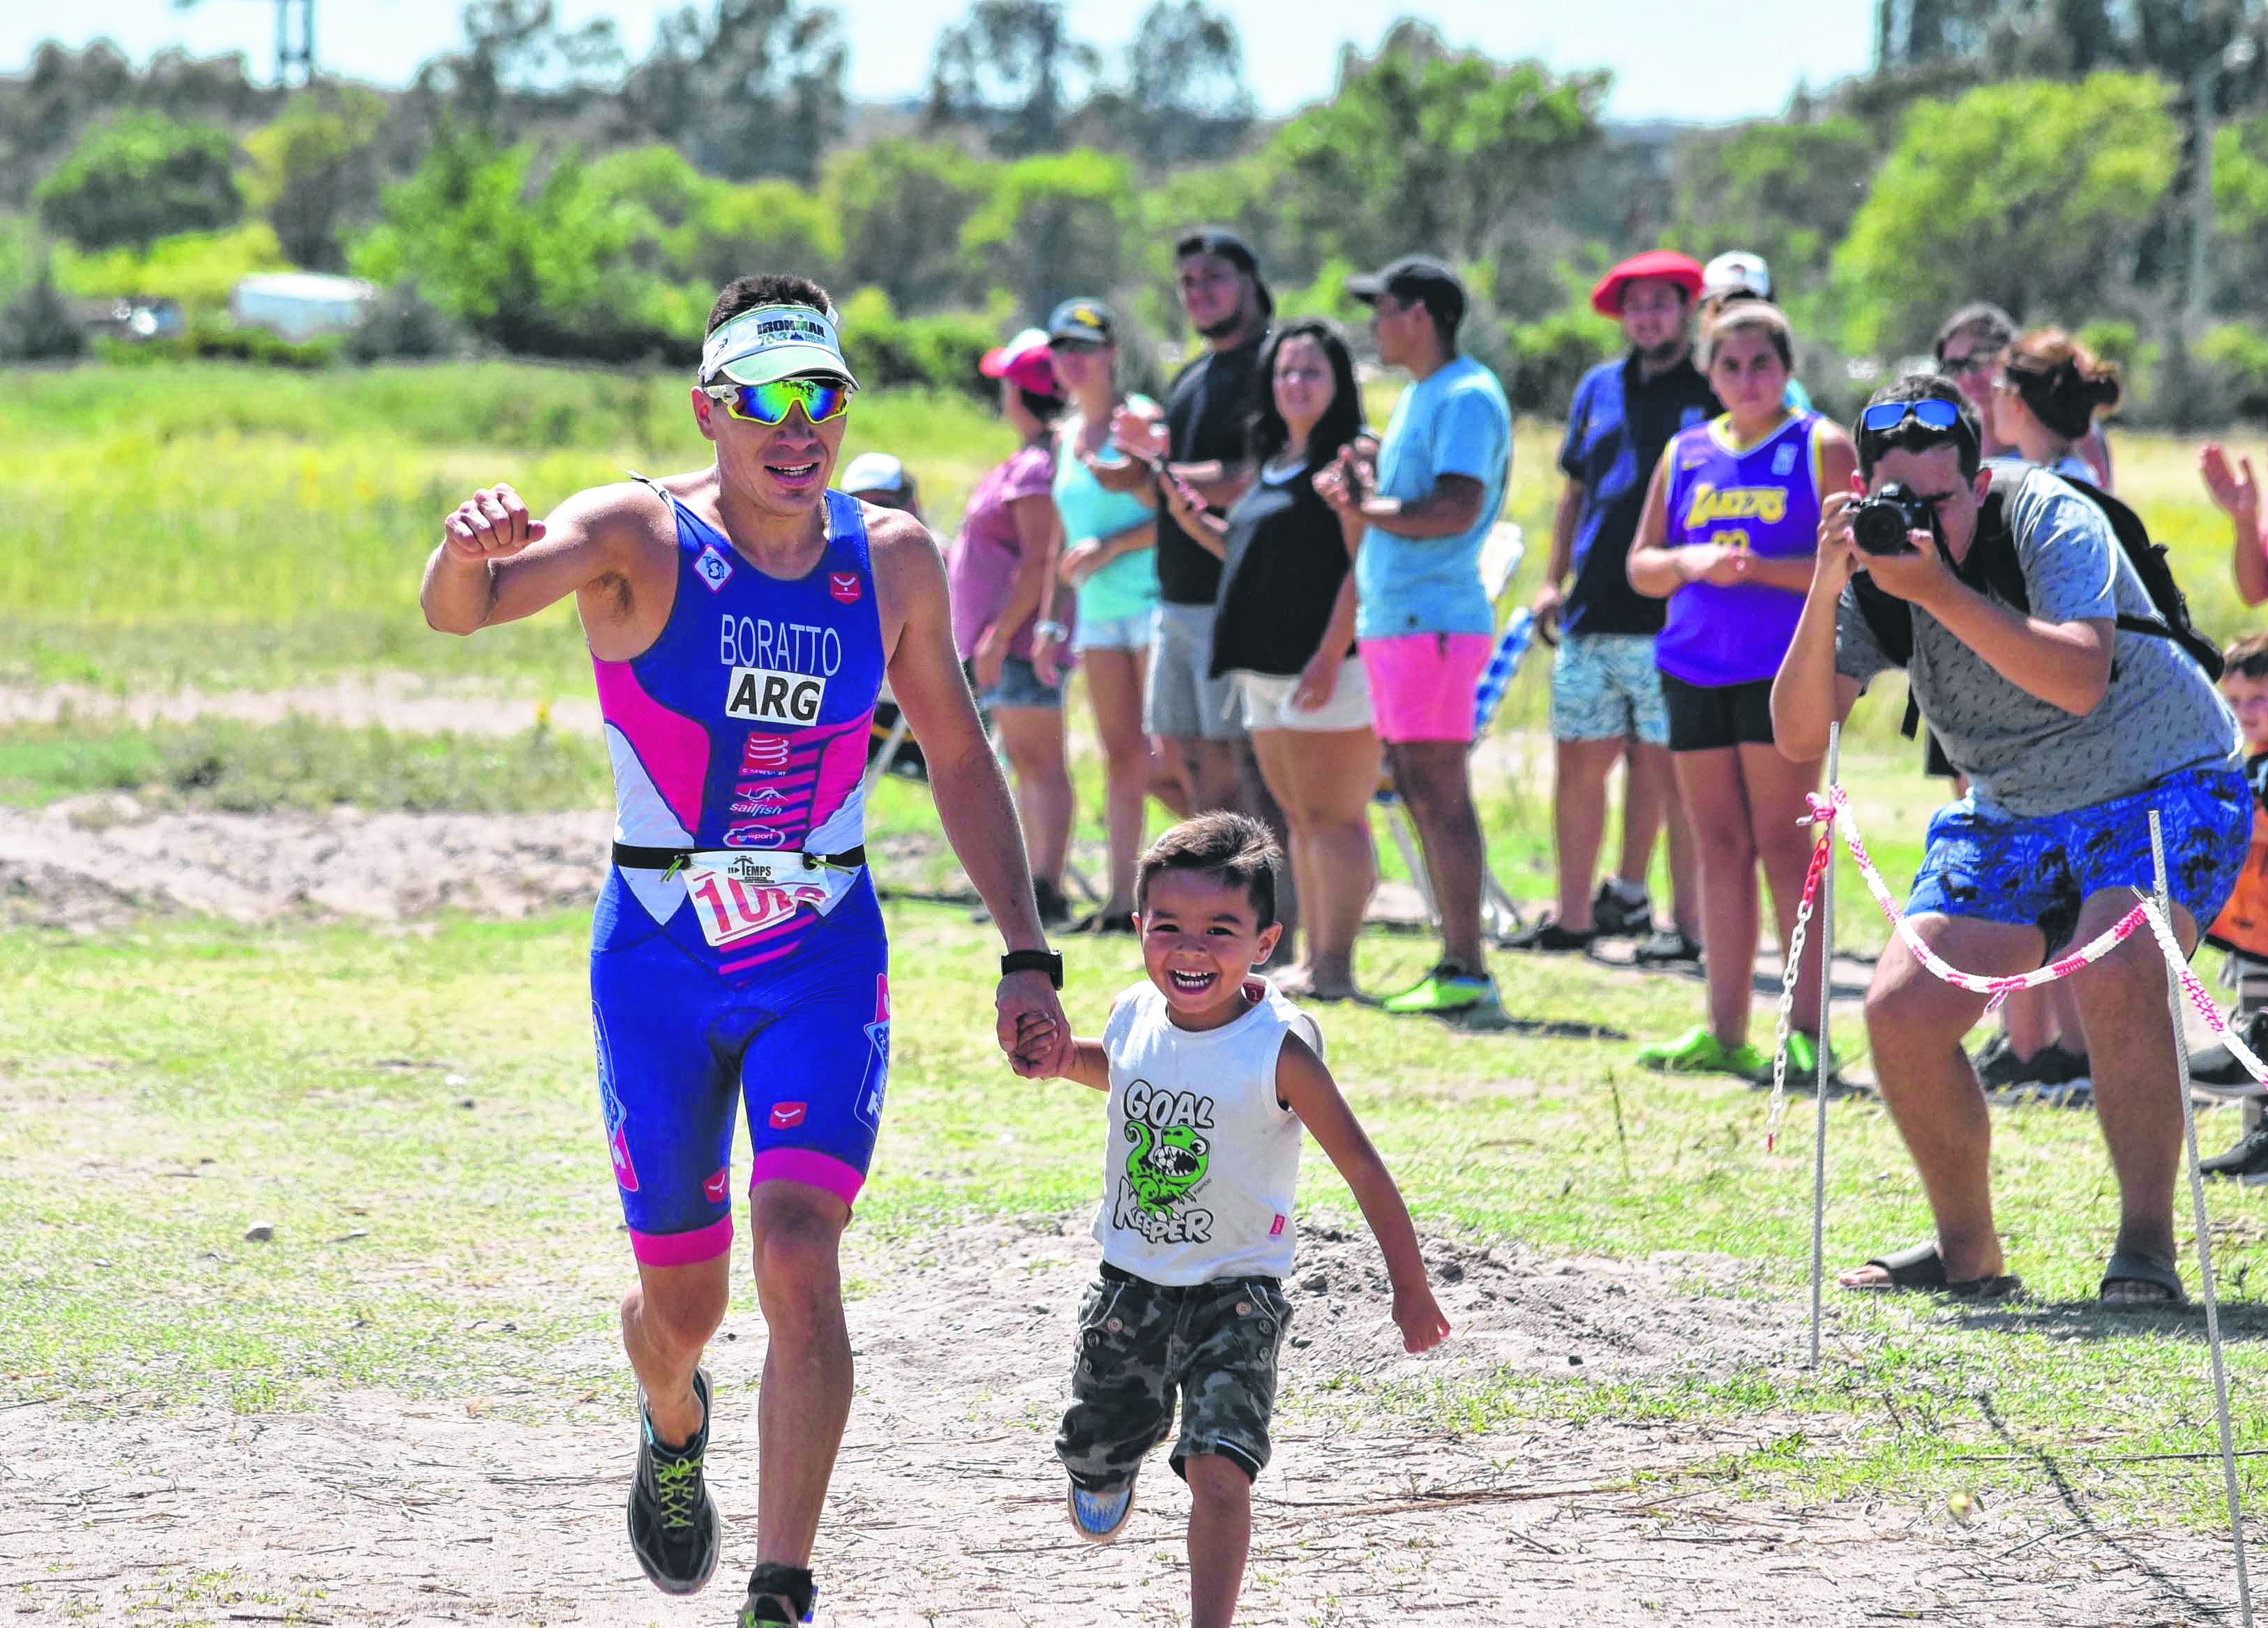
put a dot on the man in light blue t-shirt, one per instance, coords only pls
(1425, 624)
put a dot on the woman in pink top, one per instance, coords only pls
(1000, 570)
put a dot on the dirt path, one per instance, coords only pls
(946, 1505)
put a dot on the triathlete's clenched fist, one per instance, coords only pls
(492, 524)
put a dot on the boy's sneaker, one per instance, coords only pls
(2247, 1161)
(1615, 916)
(1550, 938)
(1698, 1051)
(673, 1523)
(2215, 1070)
(1669, 947)
(1451, 986)
(1098, 1516)
(769, 1585)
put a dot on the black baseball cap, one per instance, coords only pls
(1222, 241)
(1416, 279)
(1083, 321)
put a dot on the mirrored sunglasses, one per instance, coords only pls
(1933, 414)
(820, 398)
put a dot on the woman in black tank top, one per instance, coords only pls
(1284, 631)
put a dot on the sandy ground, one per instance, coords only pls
(946, 1505)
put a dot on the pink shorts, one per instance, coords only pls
(1422, 685)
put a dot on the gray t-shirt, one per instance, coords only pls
(2029, 756)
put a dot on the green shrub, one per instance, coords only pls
(141, 177)
(940, 350)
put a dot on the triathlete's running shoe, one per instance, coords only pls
(1698, 1051)
(1449, 987)
(769, 1586)
(673, 1523)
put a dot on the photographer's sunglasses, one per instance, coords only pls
(820, 398)
(1933, 414)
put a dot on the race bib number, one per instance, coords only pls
(747, 895)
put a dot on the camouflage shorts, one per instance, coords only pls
(1139, 1342)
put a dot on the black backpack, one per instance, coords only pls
(1993, 563)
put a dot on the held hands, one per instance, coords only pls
(1419, 1317)
(1032, 1028)
(493, 524)
(2238, 495)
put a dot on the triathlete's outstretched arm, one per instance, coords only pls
(964, 777)
(497, 562)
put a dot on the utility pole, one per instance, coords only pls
(295, 51)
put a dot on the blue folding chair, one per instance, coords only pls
(1499, 916)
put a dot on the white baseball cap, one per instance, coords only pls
(775, 342)
(1738, 271)
(872, 472)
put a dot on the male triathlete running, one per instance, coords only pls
(742, 619)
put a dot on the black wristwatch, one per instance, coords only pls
(1049, 961)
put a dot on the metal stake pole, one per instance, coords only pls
(1826, 1056)
(2204, 1237)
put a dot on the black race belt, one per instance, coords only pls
(673, 859)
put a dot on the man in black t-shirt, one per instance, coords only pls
(1606, 695)
(1208, 412)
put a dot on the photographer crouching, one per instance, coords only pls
(2038, 656)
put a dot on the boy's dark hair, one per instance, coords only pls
(2246, 657)
(766, 288)
(1915, 436)
(1232, 848)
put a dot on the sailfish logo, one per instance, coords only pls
(878, 1065)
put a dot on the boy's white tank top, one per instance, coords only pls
(1199, 1175)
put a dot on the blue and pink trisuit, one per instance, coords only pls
(737, 951)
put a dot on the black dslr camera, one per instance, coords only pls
(1879, 524)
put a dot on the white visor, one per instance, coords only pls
(775, 342)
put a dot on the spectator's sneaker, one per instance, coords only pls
(1551, 938)
(1669, 947)
(2215, 1070)
(1698, 1051)
(2052, 1075)
(1450, 987)
(1803, 1062)
(673, 1524)
(1104, 923)
(1098, 1516)
(778, 1595)
(1614, 917)
(2247, 1161)
(1054, 909)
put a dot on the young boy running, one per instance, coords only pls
(1211, 1075)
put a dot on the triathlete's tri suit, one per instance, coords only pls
(726, 959)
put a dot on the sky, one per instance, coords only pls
(1672, 59)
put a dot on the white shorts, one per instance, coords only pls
(1268, 704)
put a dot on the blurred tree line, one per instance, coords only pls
(534, 189)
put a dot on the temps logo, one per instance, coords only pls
(760, 696)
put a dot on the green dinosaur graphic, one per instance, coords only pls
(1164, 1164)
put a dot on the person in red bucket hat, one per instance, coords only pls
(1682, 269)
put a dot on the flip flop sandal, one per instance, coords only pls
(2141, 1269)
(1920, 1266)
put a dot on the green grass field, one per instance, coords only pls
(412, 1109)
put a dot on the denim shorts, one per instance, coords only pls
(1019, 686)
(1114, 632)
(1990, 865)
